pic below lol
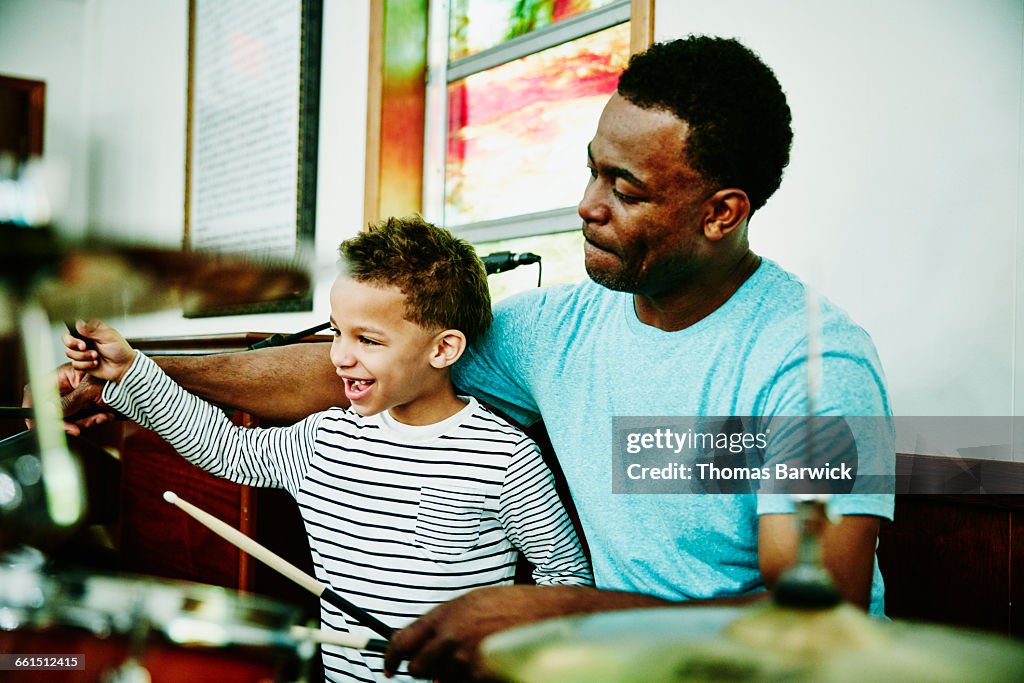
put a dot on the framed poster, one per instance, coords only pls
(253, 109)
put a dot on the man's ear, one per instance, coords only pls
(448, 348)
(726, 210)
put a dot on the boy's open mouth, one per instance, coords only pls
(356, 389)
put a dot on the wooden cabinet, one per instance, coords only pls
(956, 560)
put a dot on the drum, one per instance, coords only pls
(137, 629)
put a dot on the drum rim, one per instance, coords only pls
(182, 612)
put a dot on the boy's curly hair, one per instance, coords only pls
(442, 278)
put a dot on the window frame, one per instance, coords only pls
(396, 169)
(441, 73)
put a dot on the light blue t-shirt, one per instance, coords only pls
(577, 356)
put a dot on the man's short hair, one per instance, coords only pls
(442, 278)
(739, 121)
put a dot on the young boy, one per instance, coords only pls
(413, 495)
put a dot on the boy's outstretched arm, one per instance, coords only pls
(282, 384)
(200, 432)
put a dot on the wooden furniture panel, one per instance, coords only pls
(22, 107)
(949, 561)
(1016, 597)
(158, 538)
(956, 559)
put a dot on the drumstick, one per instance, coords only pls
(339, 638)
(279, 564)
(90, 345)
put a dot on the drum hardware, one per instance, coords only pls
(22, 591)
(131, 669)
(59, 471)
(807, 585)
(126, 626)
(71, 279)
(35, 484)
(497, 262)
(24, 518)
(805, 635)
(675, 644)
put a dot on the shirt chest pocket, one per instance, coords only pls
(448, 519)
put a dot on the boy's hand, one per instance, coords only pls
(112, 356)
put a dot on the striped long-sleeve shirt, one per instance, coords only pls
(400, 518)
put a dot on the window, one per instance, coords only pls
(514, 92)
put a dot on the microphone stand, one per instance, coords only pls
(509, 262)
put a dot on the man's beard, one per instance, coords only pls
(616, 280)
(666, 277)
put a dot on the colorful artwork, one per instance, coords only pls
(400, 161)
(476, 25)
(518, 133)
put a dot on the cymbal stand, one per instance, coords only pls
(53, 468)
(807, 584)
(60, 470)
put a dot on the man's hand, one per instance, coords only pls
(79, 398)
(444, 643)
(111, 357)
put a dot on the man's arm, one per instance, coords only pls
(202, 434)
(285, 383)
(444, 643)
(848, 552)
(281, 384)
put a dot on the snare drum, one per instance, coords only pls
(177, 632)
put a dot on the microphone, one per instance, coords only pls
(500, 261)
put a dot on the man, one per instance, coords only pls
(680, 319)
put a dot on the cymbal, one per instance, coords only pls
(96, 278)
(146, 279)
(772, 643)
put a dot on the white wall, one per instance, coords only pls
(135, 72)
(44, 40)
(116, 77)
(341, 157)
(903, 200)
